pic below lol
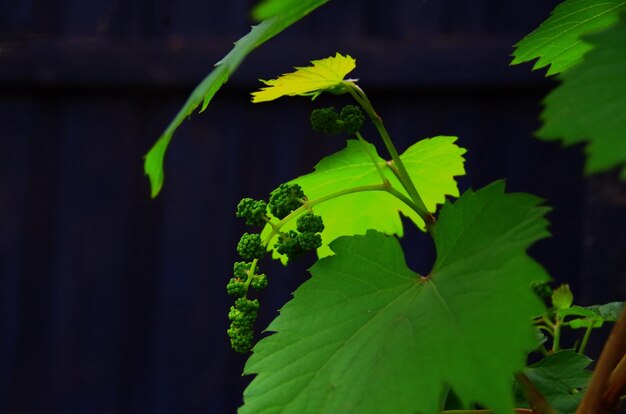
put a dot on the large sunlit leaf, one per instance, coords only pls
(324, 74)
(557, 41)
(367, 335)
(590, 105)
(561, 378)
(204, 92)
(432, 164)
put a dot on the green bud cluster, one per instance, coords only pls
(250, 247)
(309, 222)
(259, 282)
(236, 287)
(285, 199)
(325, 120)
(289, 245)
(542, 289)
(244, 312)
(294, 243)
(352, 119)
(242, 316)
(309, 241)
(252, 211)
(328, 121)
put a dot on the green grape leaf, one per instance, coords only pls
(269, 8)
(431, 163)
(561, 378)
(590, 105)
(575, 311)
(204, 92)
(557, 41)
(367, 335)
(610, 312)
(594, 316)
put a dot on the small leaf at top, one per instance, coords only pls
(557, 41)
(367, 335)
(562, 297)
(324, 75)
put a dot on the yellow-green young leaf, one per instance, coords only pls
(557, 41)
(324, 74)
(367, 335)
(431, 163)
(562, 297)
(204, 92)
(590, 104)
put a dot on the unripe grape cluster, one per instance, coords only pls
(328, 121)
(251, 247)
(307, 237)
(542, 289)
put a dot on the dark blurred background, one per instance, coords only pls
(114, 303)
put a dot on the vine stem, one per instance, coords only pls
(362, 99)
(583, 344)
(250, 275)
(607, 381)
(556, 339)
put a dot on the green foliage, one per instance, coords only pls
(595, 316)
(365, 332)
(561, 378)
(281, 19)
(590, 105)
(609, 312)
(432, 163)
(267, 9)
(557, 41)
(322, 75)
